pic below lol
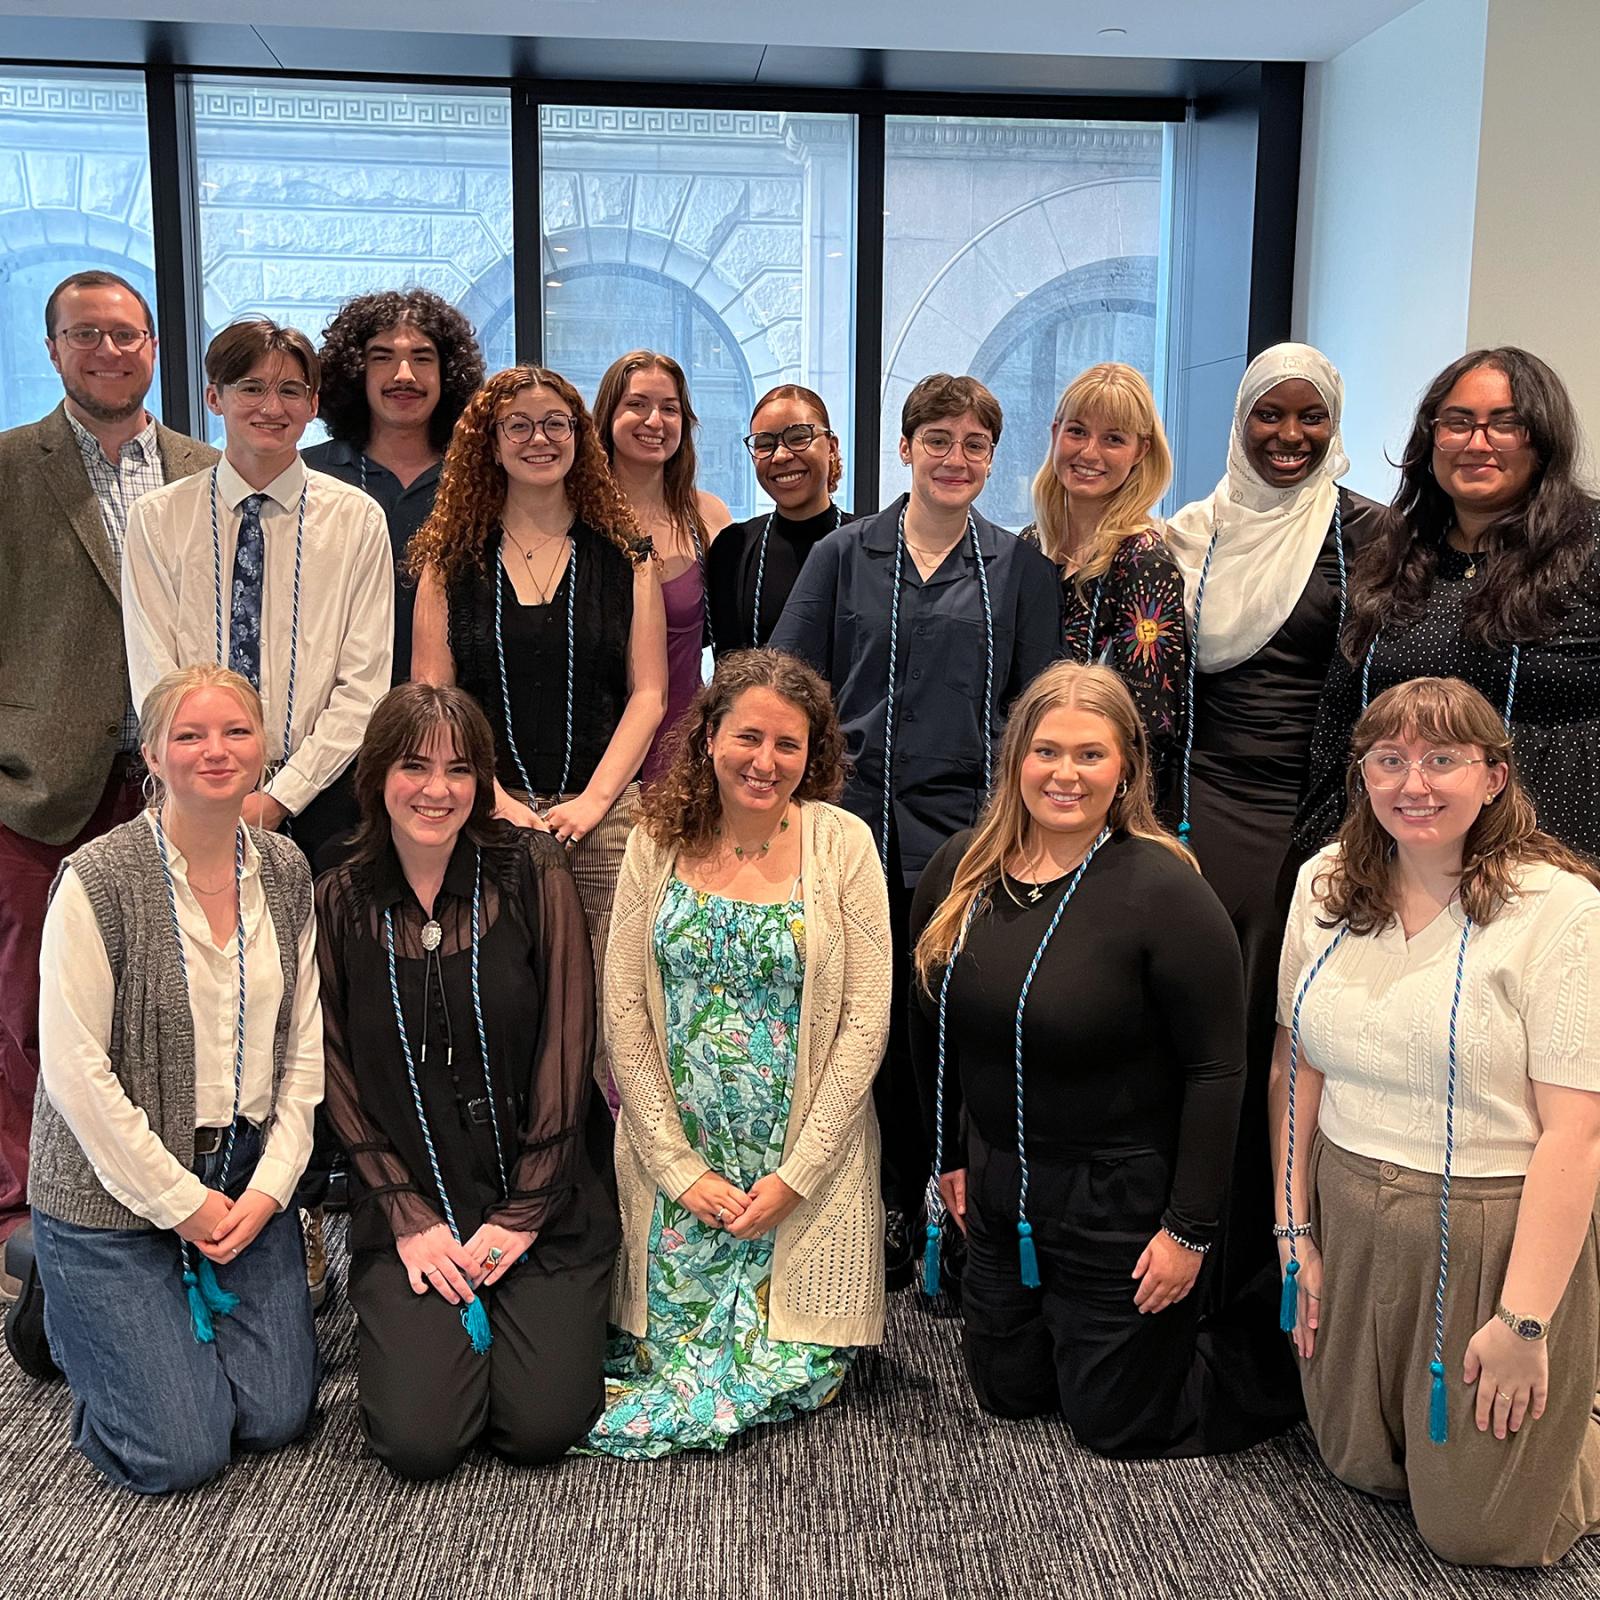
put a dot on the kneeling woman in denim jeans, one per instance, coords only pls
(180, 1044)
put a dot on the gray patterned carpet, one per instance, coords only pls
(902, 1490)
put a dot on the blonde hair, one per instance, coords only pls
(165, 700)
(1117, 396)
(1002, 830)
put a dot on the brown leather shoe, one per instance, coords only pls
(316, 1256)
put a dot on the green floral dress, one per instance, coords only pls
(707, 1366)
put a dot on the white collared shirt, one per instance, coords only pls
(346, 629)
(76, 1004)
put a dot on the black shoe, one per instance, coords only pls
(25, 1337)
(899, 1261)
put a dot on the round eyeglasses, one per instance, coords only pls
(938, 443)
(796, 438)
(1440, 769)
(518, 429)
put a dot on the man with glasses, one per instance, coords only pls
(928, 621)
(69, 744)
(398, 368)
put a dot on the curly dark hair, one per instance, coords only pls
(682, 808)
(1360, 886)
(343, 405)
(461, 529)
(1543, 543)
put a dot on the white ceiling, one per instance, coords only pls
(1239, 30)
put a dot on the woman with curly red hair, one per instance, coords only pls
(537, 595)
(747, 1001)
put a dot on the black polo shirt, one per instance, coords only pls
(837, 618)
(406, 507)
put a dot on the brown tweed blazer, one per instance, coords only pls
(63, 669)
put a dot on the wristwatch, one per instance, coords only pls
(1524, 1327)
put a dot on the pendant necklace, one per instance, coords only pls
(432, 933)
(742, 854)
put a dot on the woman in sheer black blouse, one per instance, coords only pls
(483, 1222)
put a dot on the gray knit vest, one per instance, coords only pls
(152, 1029)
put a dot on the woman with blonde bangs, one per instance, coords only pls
(1094, 515)
(1080, 1009)
(646, 427)
(1435, 1107)
(537, 595)
(180, 1066)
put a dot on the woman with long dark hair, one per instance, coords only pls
(459, 1021)
(1488, 571)
(1436, 1132)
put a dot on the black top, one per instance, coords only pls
(1555, 716)
(407, 506)
(536, 662)
(838, 619)
(1133, 1037)
(734, 560)
(1135, 613)
(1253, 722)
(536, 980)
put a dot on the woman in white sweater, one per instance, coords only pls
(1436, 1129)
(747, 1004)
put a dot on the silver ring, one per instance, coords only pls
(496, 1255)
(718, 1217)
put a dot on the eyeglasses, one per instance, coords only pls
(127, 340)
(797, 437)
(938, 443)
(1453, 434)
(1440, 769)
(518, 429)
(253, 391)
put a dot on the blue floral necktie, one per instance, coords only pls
(244, 621)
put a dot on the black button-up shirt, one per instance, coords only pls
(406, 506)
(837, 618)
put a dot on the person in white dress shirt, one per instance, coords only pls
(281, 573)
(181, 1062)
(1435, 1102)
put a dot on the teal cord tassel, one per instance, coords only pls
(1438, 1411)
(475, 1319)
(1288, 1306)
(199, 1311)
(1184, 830)
(218, 1300)
(930, 1262)
(1027, 1255)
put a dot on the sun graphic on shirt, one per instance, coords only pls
(1148, 633)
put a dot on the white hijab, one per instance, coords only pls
(1268, 539)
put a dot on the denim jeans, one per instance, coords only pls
(153, 1409)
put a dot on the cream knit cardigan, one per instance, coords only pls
(827, 1264)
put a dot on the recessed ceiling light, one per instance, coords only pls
(1112, 33)
(552, 283)
(833, 255)
(560, 249)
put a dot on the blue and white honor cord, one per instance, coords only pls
(474, 1316)
(294, 616)
(1438, 1406)
(761, 572)
(571, 580)
(1511, 681)
(894, 652)
(1027, 1254)
(207, 1298)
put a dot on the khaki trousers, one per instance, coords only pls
(1522, 1501)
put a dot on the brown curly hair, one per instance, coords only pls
(343, 405)
(1359, 885)
(678, 484)
(683, 807)
(461, 529)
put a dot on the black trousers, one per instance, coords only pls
(427, 1397)
(1127, 1384)
(907, 1143)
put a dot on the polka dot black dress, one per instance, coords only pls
(1555, 712)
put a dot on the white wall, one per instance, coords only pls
(1538, 192)
(1388, 197)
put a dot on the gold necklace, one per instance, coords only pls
(741, 854)
(542, 588)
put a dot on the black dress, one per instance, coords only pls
(1133, 1065)
(535, 639)
(733, 565)
(426, 1396)
(1555, 713)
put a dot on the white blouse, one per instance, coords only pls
(1375, 1022)
(76, 1001)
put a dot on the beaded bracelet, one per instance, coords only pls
(1188, 1244)
(1301, 1230)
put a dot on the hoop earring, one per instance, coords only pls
(1122, 789)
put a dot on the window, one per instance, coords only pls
(724, 239)
(74, 195)
(312, 193)
(1019, 252)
